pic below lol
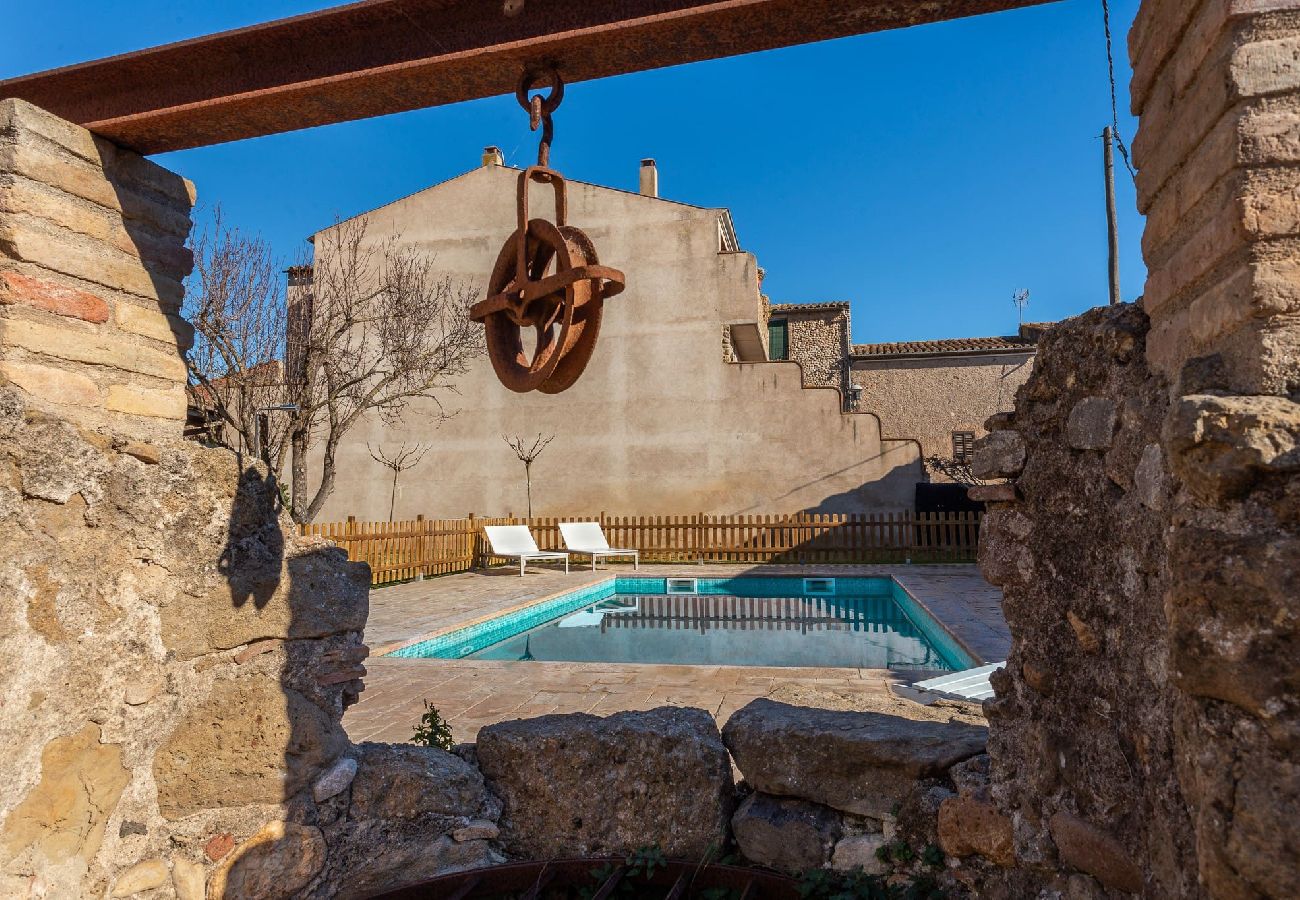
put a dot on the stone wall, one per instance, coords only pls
(927, 399)
(818, 341)
(1145, 731)
(175, 660)
(92, 256)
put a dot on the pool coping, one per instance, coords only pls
(387, 650)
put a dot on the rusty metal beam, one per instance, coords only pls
(386, 56)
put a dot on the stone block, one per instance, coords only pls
(1149, 479)
(63, 817)
(274, 864)
(1092, 423)
(1220, 446)
(32, 240)
(53, 385)
(406, 781)
(999, 454)
(1089, 849)
(857, 762)
(97, 348)
(992, 493)
(152, 323)
(860, 851)
(787, 835)
(138, 401)
(580, 785)
(17, 288)
(188, 879)
(143, 876)
(335, 780)
(251, 740)
(971, 824)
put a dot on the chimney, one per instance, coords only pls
(649, 178)
(492, 157)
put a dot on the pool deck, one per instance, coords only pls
(473, 693)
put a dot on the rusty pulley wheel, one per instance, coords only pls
(547, 278)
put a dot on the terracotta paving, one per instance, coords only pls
(474, 693)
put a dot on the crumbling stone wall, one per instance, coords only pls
(1189, 644)
(174, 659)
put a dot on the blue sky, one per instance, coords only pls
(924, 175)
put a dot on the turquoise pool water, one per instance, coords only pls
(865, 623)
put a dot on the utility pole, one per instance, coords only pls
(1112, 223)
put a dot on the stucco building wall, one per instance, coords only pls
(658, 424)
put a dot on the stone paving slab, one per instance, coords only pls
(474, 693)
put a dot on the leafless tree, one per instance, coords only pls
(369, 327)
(403, 459)
(526, 456)
(236, 306)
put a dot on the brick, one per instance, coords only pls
(94, 347)
(53, 385)
(59, 250)
(16, 288)
(1203, 250)
(1259, 291)
(1271, 203)
(151, 323)
(1270, 136)
(136, 401)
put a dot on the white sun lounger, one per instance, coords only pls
(589, 539)
(517, 541)
(972, 685)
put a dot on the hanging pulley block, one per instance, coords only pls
(546, 278)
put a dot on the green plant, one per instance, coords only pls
(432, 730)
(826, 884)
(932, 855)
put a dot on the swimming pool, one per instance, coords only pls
(833, 622)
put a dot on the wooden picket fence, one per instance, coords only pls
(400, 550)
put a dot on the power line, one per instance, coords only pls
(1114, 98)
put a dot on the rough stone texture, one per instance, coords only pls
(1000, 454)
(971, 824)
(789, 835)
(143, 876)
(1084, 716)
(335, 780)
(274, 864)
(1093, 850)
(857, 762)
(819, 335)
(927, 399)
(575, 785)
(1143, 727)
(858, 851)
(1092, 422)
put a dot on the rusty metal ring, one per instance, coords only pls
(536, 77)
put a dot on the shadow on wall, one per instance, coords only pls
(253, 557)
(892, 491)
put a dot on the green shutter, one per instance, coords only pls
(778, 339)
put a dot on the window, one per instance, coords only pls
(778, 339)
(963, 445)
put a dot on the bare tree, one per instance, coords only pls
(405, 458)
(526, 456)
(370, 326)
(236, 306)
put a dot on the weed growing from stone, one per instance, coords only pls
(432, 730)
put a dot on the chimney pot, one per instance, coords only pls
(492, 156)
(649, 178)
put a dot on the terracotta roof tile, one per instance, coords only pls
(946, 346)
(809, 307)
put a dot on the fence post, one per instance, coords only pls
(473, 542)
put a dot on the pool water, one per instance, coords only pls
(868, 623)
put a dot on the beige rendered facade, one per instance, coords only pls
(659, 423)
